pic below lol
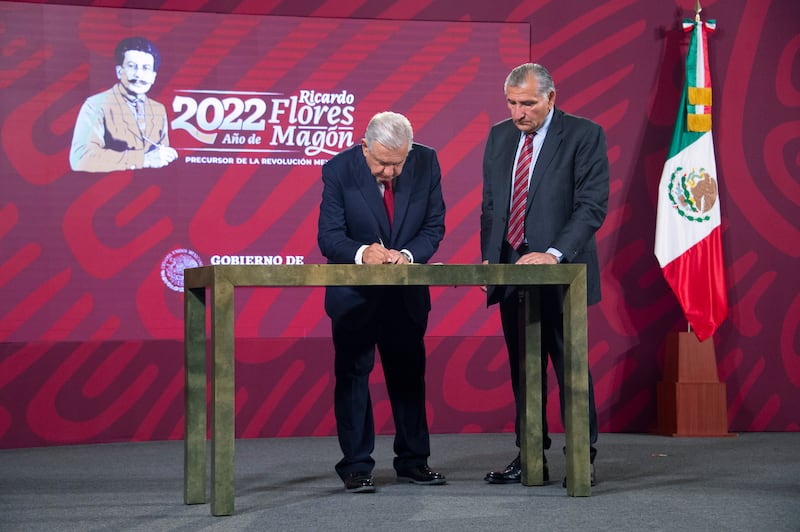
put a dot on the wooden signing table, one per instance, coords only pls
(221, 282)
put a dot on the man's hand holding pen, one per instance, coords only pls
(377, 254)
(159, 155)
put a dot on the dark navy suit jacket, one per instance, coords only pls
(352, 214)
(567, 198)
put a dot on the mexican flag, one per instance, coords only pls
(688, 234)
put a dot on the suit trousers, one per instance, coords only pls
(552, 347)
(399, 337)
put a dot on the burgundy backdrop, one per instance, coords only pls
(90, 347)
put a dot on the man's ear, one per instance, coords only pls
(119, 71)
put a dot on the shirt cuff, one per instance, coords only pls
(360, 255)
(407, 254)
(556, 253)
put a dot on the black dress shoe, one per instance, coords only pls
(421, 474)
(592, 478)
(359, 483)
(512, 474)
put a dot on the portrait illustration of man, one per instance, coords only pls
(121, 128)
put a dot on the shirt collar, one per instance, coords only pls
(541, 133)
(131, 98)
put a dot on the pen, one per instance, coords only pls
(156, 144)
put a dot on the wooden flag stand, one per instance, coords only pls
(691, 400)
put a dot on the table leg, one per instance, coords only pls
(531, 452)
(576, 395)
(222, 407)
(194, 439)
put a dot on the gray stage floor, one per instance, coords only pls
(646, 482)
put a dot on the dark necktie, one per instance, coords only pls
(519, 197)
(388, 200)
(139, 107)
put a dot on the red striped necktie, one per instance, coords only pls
(519, 197)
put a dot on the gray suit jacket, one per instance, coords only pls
(567, 198)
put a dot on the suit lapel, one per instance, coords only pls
(404, 184)
(127, 117)
(507, 157)
(152, 129)
(372, 196)
(546, 154)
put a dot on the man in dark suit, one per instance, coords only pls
(381, 204)
(562, 200)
